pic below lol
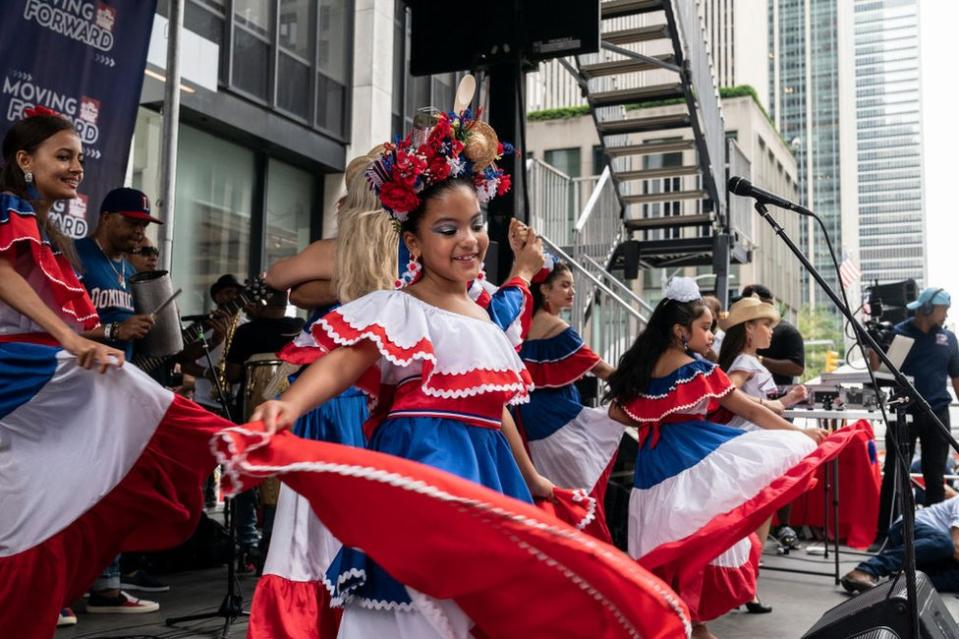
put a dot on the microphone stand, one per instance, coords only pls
(232, 605)
(902, 438)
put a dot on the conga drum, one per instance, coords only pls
(261, 369)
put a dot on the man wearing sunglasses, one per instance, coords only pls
(145, 256)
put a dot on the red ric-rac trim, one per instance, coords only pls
(565, 371)
(20, 227)
(714, 385)
(333, 331)
(301, 355)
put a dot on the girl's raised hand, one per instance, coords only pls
(275, 414)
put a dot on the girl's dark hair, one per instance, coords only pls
(733, 344)
(635, 368)
(26, 135)
(558, 269)
(412, 222)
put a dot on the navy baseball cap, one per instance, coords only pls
(129, 203)
(932, 296)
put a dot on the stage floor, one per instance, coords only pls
(798, 601)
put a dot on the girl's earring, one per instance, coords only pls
(28, 177)
(412, 274)
(685, 343)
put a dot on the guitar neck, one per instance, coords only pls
(193, 332)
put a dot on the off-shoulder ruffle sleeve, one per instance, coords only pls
(558, 361)
(692, 389)
(509, 306)
(460, 356)
(18, 227)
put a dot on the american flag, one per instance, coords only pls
(849, 272)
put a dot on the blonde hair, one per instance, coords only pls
(367, 241)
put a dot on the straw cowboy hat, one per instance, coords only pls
(746, 309)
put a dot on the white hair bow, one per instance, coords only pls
(682, 289)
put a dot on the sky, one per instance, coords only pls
(940, 122)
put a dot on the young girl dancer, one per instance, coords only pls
(105, 462)
(749, 327)
(449, 370)
(571, 444)
(701, 488)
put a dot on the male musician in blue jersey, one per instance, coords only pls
(124, 215)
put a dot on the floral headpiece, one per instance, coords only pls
(456, 145)
(34, 111)
(682, 289)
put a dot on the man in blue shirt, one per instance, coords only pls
(932, 361)
(124, 215)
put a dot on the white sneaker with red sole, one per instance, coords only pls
(121, 604)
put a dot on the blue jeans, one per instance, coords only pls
(109, 579)
(934, 556)
(247, 537)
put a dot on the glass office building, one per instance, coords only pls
(889, 140)
(804, 104)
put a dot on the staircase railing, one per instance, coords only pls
(599, 228)
(624, 291)
(702, 97)
(607, 322)
(580, 220)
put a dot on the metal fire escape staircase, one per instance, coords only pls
(653, 99)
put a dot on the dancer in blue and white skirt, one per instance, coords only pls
(700, 488)
(92, 462)
(571, 444)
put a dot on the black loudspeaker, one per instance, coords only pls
(893, 298)
(442, 40)
(882, 613)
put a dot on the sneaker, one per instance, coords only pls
(122, 603)
(67, 618)
(143, 581)
(788, 537)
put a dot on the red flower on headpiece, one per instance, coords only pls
(440, 132)
(504, 184)
(398, 198)
(32, 112)
(439, 168)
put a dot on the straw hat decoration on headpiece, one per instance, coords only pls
(747, 309)
(442, 145)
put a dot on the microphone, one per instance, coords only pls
(742, 186)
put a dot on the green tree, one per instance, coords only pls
(818, 324)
